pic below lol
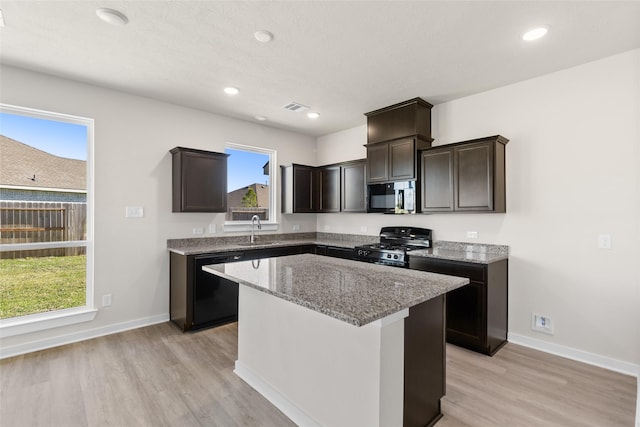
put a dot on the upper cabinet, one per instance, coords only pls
(394, 136)
(199, 180)
(466, 176)
(353, 188)
(332, 188)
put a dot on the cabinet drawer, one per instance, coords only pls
(471, 271)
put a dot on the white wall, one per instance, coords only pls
(133, 136)
(573, 171)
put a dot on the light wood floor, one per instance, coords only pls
(158, 376)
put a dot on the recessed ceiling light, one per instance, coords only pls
(231, 90)
(260, 118)
(313, 115)
(263, 36)
(535, 34)
(112, 17)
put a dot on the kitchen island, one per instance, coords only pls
(335, 342)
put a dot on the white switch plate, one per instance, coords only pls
(198, 230)
(106, 300)
(472, 234)
(363, 228)
(134, 212)
(212, 229)
(604, 241)
(295, 227)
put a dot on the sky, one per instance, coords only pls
(57, 138)
(245, 168)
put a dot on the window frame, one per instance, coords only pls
(57, 318)
(272, 223)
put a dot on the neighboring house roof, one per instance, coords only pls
(25, 166)
(234, 198)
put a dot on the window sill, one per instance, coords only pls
(246, 226)
(41, 321)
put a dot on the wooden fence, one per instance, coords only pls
(36, 222)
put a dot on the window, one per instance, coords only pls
(250, 185)
(45, 219)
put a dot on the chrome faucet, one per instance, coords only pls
(254, 219)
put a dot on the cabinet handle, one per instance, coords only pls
(236, 257)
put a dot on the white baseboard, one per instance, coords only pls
(44, 344)
(278, 400)
(575, 354)
(585, 357)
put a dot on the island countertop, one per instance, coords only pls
(351, 291)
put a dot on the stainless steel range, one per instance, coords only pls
(395, 244)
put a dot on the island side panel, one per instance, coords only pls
(424, 363)
(334, 373)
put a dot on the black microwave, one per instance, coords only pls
(392, 197)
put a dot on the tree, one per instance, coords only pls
(250, 199)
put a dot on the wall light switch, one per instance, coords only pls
(472, 234)
(106, 300)
(295, 227)
(198, 230)
(212, 229)
(604, 241)
(363, 228)
(134, 212)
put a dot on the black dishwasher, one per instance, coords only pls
(215, 299)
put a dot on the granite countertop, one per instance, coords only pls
(352, 291)
(478, 253)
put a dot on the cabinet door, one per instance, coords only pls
(199, 181)
(474, 177)
(378, 163)
(215, 300)
(466, 324)
(402, 159)
(437, 180)
(305, 189)
(329, 189)
(354, 187)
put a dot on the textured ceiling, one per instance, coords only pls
(341, 58)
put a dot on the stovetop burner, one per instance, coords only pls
(394, 244)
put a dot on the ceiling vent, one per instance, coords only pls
(294, 106)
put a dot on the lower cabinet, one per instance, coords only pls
(477, 313)
(334, 251)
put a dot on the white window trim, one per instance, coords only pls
(54, 319)
(272, 224)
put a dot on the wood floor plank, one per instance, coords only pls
(158, 376)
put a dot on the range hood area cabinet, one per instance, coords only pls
(395, 135)
(324, 189)
(467, 176)
(199, 180)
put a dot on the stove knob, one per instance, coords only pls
(395, 257)
(388, 255)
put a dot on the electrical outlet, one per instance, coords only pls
(472, 234)
(604, 241)
(106, 300)
(133, 212)
(295, 227)
(198, 230)
(542, 323)
(363, 228)
(212, 229)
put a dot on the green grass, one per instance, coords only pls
(36, 285)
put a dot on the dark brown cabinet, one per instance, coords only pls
(331, 188)
(353, 189)
(477, 313)
(394, 136)
(300, 189)
(393, 160)
(199, 180)
(466, 176)
(437, 180)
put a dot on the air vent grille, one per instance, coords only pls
(295, 106)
